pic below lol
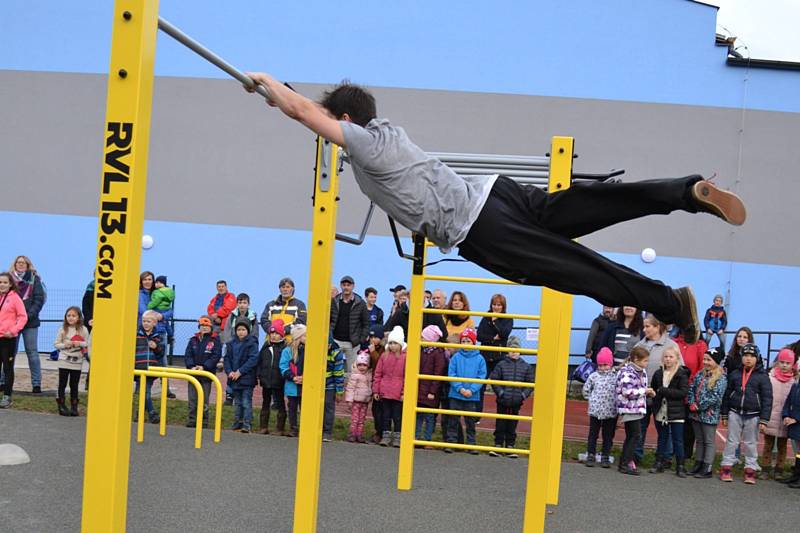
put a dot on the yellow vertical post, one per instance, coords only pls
(121, 219)
(162, 424)
(323, 239)
(543, 465)
(405, 469)
(560, 179)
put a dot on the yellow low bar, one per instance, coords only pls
(430, 311)
(455, 412)
(470, 280)
(457, 446)
(431, 377)
(454, 346)
(217, 386)
(143, 375)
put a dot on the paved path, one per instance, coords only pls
(247, 483)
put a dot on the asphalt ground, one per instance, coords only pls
(247, 483)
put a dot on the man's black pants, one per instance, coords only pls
(524, 234)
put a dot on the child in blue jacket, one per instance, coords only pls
(241, 360)
(791, 419)
(202, 353)
(464, 396)
(334, 387)
(291, 367)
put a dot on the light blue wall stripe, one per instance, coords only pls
(657, 51)
(194, 256)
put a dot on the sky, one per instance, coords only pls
(770, 29)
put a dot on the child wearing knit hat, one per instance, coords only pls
(465, 363)
(600, 391)
(357, 394)
(746, 409)
(782, 377)
(387, 386)
(705, 401)
(432, 362)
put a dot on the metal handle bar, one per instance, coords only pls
(211, 57)
(360, 239)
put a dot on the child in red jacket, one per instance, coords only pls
(388, 385)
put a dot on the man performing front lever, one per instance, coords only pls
(519, 232)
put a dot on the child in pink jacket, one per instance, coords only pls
(388, 385)
(782, 377)
(357, 394)
(13, 318)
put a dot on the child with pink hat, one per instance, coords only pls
(782, 377)
(432, 362)
(600, 390)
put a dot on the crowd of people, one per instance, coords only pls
(642, 369)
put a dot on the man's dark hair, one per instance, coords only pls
(223, 282)
(370, 290)
(243, 296)
(352, 99)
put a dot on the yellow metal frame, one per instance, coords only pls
(200, 373)
(323, 239)
(162, 428)
(551, 371)
(120, 223)
(121, 219)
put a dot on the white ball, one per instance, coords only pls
(648, 255)
(147, 242)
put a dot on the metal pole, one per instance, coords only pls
(492, 158)
(210, 56)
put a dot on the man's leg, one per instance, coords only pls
(349, 354)
(506, 242)
(590, 206)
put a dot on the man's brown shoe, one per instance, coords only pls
(723, 204)
(687, 316)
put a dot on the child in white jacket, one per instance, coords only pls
(600, 390)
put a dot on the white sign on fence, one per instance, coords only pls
(532, 334)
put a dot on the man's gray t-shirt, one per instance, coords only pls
(418, 191)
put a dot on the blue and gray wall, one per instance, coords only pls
(640, 85)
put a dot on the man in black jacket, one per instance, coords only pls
(597, 332)
(746, 408)
(349, 321)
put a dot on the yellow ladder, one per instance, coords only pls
(544, 465)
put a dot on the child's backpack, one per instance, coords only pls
(583, 371)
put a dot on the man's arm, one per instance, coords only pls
(298, 107)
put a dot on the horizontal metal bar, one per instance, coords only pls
(455, 412)
(506, 166)
(457, 446)
(483, 348)
(460, 279)
(541, 174)
(523, 384)
(210, 56)
(431, 311)
(490, 158)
